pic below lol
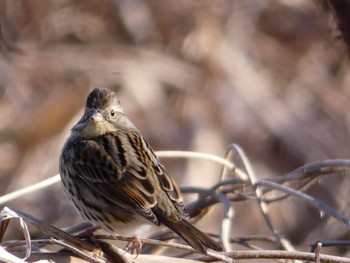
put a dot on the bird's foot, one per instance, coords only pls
(88, 234)
(134, 245)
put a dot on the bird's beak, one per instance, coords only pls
(96, 117)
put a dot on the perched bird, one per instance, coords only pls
(114, 179)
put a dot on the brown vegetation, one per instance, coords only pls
(271, 76)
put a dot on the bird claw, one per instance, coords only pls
(88, 234)
(134, 245)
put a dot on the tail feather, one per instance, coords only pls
(193, 236)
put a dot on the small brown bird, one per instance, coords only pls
(114, 179)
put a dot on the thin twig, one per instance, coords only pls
(148, 241)
(29, 189)
(278, 254)
(196, 155)
(259, 196)
(230, 153)
(77, 250)
(318, 253)
(330, 243)
(311, 200)
(52, 241)
(214, 255)
(325, 167)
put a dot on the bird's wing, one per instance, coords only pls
(116, 167)
(156, 173)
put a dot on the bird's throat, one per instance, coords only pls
(94, 129)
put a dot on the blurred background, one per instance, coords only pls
(271, 76)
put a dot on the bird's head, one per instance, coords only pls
(103, 114)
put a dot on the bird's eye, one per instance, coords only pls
(112, 113)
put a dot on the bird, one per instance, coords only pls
(116, 181)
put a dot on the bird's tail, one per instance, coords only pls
(193, 236)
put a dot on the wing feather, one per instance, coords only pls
(122, 167)
(107, 172)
